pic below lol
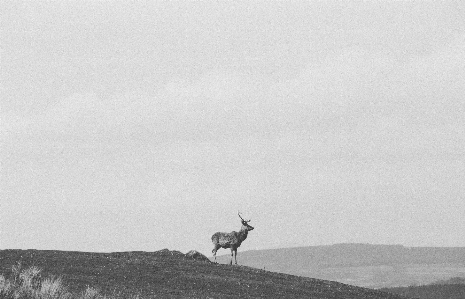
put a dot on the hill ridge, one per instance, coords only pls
(369, 265)
(171, 274)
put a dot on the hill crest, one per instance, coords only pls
(360, 264)
(171, 274)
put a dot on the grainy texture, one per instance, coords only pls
(433, 291)
(365, 265)
(231, 240)
(225, 240)
(171, 274)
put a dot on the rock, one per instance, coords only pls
(166, 251)
(194, 254)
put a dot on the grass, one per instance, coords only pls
(159, 274)
(29, 284)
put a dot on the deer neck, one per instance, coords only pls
(243, 233)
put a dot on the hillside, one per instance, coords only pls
(364, 265)
(171, 274)
(450, 289)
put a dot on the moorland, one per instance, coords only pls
(367, 265)
(172, 274)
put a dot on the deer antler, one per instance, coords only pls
(239, 214)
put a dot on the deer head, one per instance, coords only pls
(245, 223)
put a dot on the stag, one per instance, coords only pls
(231, 240)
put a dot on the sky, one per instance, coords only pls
(143, 126)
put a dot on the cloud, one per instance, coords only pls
(342, 118)
(364, 96)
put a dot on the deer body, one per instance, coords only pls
(231, 240)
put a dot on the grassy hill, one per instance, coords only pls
(171, 274)
(453, 288)
(365, 265)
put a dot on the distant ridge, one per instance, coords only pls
(453, 288)
(361, 264)
(172, 274)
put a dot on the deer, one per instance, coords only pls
(231, 240)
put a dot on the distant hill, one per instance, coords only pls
(171, 274)
(453, 288)
(365, 265)
(453, 280)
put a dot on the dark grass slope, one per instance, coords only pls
(171, 274)
(433, 291)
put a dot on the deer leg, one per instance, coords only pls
(235, 255)
(215, 249)
(232, 253)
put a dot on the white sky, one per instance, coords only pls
(142, 127)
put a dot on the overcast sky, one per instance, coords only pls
(148, 126)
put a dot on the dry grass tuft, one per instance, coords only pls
(28, 284)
